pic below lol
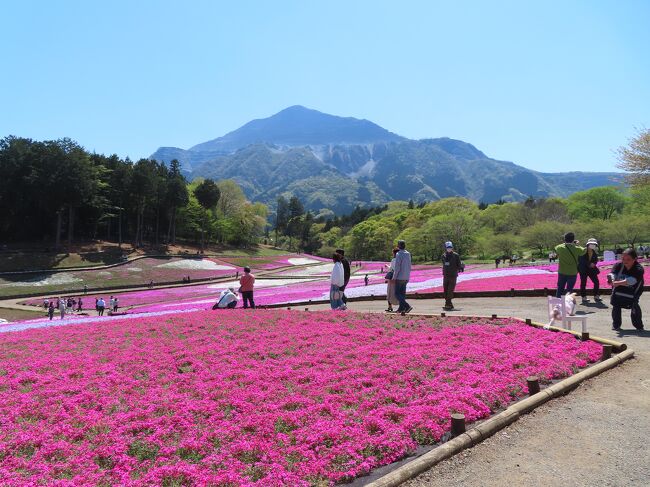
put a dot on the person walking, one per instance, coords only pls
(101, 305)
(401, 276)
(50, 310)
(246, 283)
(111, 304)
(337, 281)
(116, 304)
(568, 254)
(390, 284)
(346, 272)
(366, 280)
(79, 305)
(451, 266)
(588, 269)
(627, 284)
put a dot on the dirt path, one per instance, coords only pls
(598, 435)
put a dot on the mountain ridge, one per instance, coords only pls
(335, 163)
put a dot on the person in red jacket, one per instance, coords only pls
(246, 282)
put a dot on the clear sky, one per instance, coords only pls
(553, 85)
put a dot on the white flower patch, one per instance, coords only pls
(196, 264)
(312, 270)
(259, 283)
(302, 261)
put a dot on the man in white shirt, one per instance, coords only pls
(227, 299)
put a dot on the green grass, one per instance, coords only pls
(17, 314)
(252, 252)
(24, 261)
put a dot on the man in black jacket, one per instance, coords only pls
(451, 266)
(346, 272)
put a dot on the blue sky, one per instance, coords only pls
(554, 85)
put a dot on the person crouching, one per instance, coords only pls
(227, 299)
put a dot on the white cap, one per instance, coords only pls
(449, 245)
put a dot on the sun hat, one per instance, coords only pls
(449, 245)
(592, 241)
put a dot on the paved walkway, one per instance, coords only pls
(598, 435)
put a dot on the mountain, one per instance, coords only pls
(335, 163)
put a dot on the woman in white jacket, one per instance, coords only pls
(337, 281)
(390, 284)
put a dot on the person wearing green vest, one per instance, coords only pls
(568, 254)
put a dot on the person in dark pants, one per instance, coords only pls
(627, 283)
(246, 283)
(50, 310)
(588, 269)
(567, 274)
(401, 276)
(101, 305)
(451, 266)
(346, 272)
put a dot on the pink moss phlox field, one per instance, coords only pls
(263, 398)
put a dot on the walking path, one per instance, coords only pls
(598, 435)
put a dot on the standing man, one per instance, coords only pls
(246, 283)
(451, 266)
(101, 305)
(401, 276)
(568, 254)
(588, 269)
(346, 272)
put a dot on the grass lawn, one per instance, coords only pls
(17, 314)
(24, 261)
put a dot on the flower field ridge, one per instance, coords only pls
(264, 398)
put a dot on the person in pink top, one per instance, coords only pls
(246, 283)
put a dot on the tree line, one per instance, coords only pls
(56, 192)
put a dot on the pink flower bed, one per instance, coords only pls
(263, 398)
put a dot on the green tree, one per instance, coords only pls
(543, 235)
(596, 203)
(207, 194)
(281, 217)
(177, 196)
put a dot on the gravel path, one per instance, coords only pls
(598, 435)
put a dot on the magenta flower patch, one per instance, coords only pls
(262, 398)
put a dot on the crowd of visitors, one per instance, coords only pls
(72, 305)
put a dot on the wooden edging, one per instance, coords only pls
(617, 346)
(495, 424)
